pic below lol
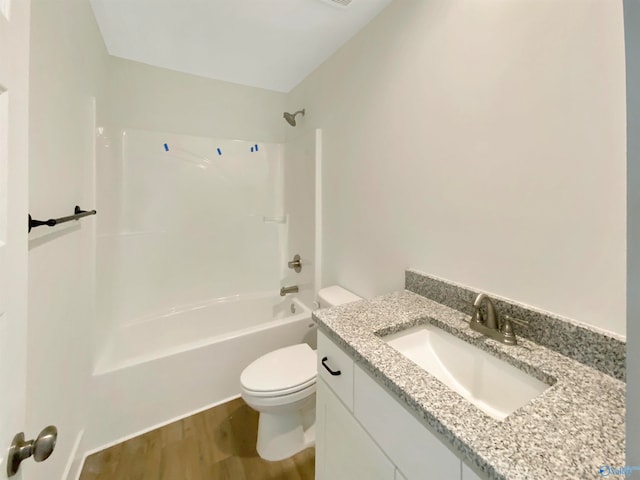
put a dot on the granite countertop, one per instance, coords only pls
(573, 428)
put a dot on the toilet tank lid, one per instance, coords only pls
(336, 295)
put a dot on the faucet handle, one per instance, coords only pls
(295, 264)
(506, 329)
(522, 323)
(467, 302)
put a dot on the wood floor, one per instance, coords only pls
(217, 444)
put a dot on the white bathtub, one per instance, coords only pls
(195, 326)
(159, 369)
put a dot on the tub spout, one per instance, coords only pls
(285, 290)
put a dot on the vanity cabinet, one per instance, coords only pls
(362, 431)
(344, 451)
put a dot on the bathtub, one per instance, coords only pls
(158, 369)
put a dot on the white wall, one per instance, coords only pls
(632, 39)
(150, 98)
(68, 62)
(483, 142)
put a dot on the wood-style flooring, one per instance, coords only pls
(217, 444)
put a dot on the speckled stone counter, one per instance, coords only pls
(568, 432)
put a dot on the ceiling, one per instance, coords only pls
(272, 44)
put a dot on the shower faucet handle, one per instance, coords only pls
(295, 264)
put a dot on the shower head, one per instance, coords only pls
(291, 117)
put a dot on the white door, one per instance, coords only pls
(14, 64)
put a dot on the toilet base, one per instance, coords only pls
(282, 435)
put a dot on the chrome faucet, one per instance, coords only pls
(491, 326)
(285, 290)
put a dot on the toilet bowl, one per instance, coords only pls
(281, 386)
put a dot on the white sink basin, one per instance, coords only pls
(491, 384)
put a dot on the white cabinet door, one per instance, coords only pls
(417, 452)
(344, 451)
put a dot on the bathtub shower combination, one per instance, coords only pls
(192, 248)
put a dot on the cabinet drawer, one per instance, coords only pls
(416, 451)
(331, 357)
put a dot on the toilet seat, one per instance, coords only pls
(279, 401)
(280, 393)
(281, 372)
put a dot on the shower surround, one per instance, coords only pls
(183, 221)
(192, 248)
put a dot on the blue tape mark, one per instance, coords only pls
(219, 151)
(252, 149)
(166, 147)
(256, 147)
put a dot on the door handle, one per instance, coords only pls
(40, 448)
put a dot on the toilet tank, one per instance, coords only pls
(336, 295)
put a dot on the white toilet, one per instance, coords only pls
(281, 385)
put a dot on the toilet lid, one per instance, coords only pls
(281, 370)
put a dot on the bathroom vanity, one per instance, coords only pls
(380, 415)
(364, 432)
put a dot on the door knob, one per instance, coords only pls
(40, 448)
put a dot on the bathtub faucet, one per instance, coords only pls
(285, 290)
